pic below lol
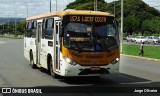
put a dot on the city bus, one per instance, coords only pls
(73, 43)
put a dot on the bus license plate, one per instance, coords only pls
(95, 68)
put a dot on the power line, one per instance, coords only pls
(22, 2)
(66, 1)
(13, 13)
(27, 2)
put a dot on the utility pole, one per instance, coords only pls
(56, 5)
(121, 25)
(114, 9)
(15, 22)
(50, 6)
(27, 9)
(3, 26)
(95, 5)
(8, 25)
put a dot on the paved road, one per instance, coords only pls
(16, 72)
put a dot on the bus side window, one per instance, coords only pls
(48, 28)
(28, 29)
(43, 28)
(34, 27)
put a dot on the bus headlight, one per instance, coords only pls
(115, 61)
(68, 60)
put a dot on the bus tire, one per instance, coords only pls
(52, 73)
(32, 61)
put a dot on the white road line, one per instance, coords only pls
(145, 82)
(1, 42)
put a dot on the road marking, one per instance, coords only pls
(145, 82)
(1, 42)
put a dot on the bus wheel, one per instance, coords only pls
(32, 61)
(52, 73)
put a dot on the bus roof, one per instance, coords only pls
(69, 12)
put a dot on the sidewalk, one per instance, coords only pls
(145, 58)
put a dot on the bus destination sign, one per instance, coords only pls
(98, 19)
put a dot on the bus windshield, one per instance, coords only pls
(91, 36)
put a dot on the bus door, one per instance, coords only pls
(38, 41)
(57, 46)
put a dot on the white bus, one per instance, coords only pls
(73, 43)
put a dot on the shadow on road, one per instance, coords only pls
(120, 80)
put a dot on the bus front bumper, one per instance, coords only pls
(70, 70)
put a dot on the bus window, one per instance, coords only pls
(48, 28)
(28, 29)
(43, 28)
(28, 25)
(25, 33)
(34, 26)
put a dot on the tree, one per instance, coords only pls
(151, 26)
(131, 24)
(21, 27)
(86, 5)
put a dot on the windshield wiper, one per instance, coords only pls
(112, 43)
(79, 48)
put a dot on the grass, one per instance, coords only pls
(149, 51)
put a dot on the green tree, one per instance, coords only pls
(131, 24)
(151, 26)
(21, 27)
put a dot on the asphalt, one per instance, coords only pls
(16, 72)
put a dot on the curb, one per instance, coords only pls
(145, 58)
(1, 42)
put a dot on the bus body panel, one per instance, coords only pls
(30, 46)
(26, 48)
(86, 63)
(45, 51)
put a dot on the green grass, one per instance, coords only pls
(149, 51)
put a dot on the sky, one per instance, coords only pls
(18, 8)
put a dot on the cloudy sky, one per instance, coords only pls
(18, 8)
